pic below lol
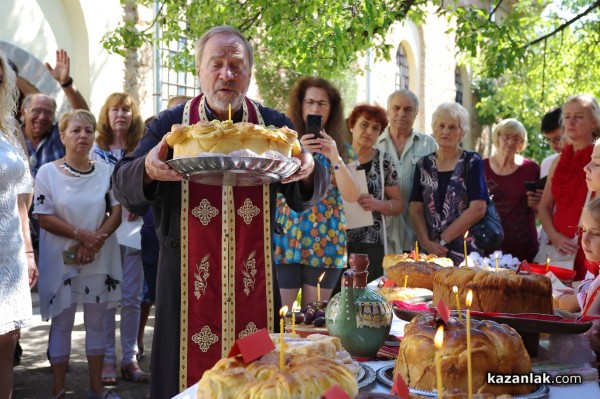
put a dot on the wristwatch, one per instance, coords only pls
(442, 242)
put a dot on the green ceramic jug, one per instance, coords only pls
(358, 316)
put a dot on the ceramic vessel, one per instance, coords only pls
(358, 316)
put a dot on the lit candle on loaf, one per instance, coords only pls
(455, 290)
(319, 287)
(405, 280)
(468, 327)
(416, 250)
(294, 306)
(496, 262)
(282, 313)
(437, 341)
(229, 112)
(547, 263)
(465, 248)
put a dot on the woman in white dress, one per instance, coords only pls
(79, 254)
(18, 272)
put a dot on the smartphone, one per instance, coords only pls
(314, 124)
(69, 255)
(541, 183)
(530, 185)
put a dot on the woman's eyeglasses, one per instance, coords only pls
(318, 104)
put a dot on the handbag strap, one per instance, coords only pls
(383, 223)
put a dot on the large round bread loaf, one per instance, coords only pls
(304, 377)
(226, 137)
(496, 348)
(417, 274)
(502, 291)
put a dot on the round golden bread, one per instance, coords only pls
(495, 348)
(225, 137)
(502, 291)
(303, 377)
(419, 274)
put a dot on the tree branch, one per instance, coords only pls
(162, 4)
(565, 25)
(494, 10)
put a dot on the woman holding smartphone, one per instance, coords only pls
(312, 244)
(506, 173)
(79, 255)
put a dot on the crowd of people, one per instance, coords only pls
(90, 179)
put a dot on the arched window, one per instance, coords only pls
(459, 86)
(402, 73)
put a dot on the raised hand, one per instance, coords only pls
(62, 69)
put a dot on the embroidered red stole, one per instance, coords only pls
(226, 265)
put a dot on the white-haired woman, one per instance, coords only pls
(506, 173)
(446, 200)
(18, 271)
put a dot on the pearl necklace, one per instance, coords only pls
(79, 173)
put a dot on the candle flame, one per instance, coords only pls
(496, 256)
(455, 289)
(439, 337)
(283, 311)
(321, 277)
(466, 234)
(295, 306)
(469, 298)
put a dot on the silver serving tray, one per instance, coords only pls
(385, 376)
(366, 375)
(233, 171)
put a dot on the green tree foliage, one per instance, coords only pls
(526, 56)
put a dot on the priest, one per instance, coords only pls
(216, 281)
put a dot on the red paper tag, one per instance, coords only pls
(253, 346)
(443, 310)
(400, 388)
(335, 392)
(524, 266)
(389, 283)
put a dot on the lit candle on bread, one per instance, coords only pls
(496, 262)
(437, 341)
(547, 263)
(465, 248)
(468, 327)
(416, 250)
(230, 112)
(294, 306)
(405, 280)
(319, 287)
(282, 313)
(455, 290)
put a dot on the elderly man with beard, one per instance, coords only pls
(215, 279)
(406, 146)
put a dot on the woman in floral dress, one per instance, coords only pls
(313, 243)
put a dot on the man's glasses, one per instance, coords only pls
(46, 112)
(318, 104)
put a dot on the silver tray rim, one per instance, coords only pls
(270, 165)
(540, 393)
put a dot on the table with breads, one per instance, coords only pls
(315, 363)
